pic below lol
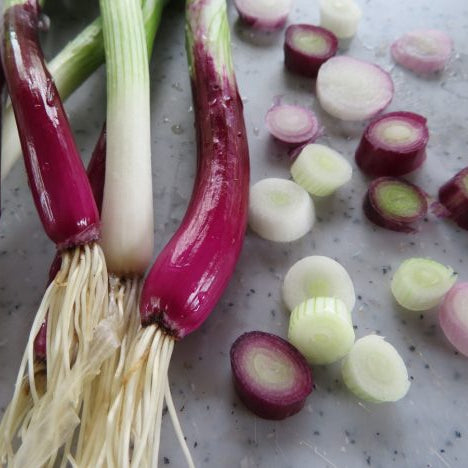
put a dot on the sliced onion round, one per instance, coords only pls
(454, 196)
(292, 124)
(352, 89)
(395, 204)
(393, 144)
(270, 376)
(264, 14)
(423, 51)
(280, 210)
(340, 16)
(453, 317)
(307, 47)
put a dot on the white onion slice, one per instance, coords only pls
(423, 51)
(453, 317)
(292, 124)
(352, 89)
(264, 14)
(316, 276)
(280, 210)
(340, 17)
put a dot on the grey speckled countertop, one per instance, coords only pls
(428, 428)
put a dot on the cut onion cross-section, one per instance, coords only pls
(393, 144)
(395, 204)
(307, 47)
(280, 210)
(293, 125)
(454, 196)
(453, 317)
(420, 283)
(352, 89)
(270, 376)
(375, 371)
(266, 15)
(340, 16)
(423, 51)
(320, 170)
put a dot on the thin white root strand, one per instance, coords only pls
(74, 304)
(177, 427)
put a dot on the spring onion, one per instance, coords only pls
(76, 300)
(395, 204)
(280, 210)
(321, 329)
(307, 47)
(454, 197)
(291, 124)
(320, 170)
(340, 16)
(423, 51)
(264, 14)
(193, 269)
(271, 377)
(352, 89)
(393, 144)
(453, 317)
(420, 283)
(317, 276)
(374, 370)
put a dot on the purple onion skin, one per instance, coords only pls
(394, 223)
(270, 406)
(57, 178)
(303, 64)
(96, 174)
(260, 24)
(192, 271)
(454, 196)
(376, 160)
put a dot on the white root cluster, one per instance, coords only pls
(74, 304)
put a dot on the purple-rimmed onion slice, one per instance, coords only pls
(264, 14)
(352, 89)
(393, 144)
(395, 204)
(292, 124)
(454, 196)
(270, 376)
(423, 50)
(307, 47)
(453, 317)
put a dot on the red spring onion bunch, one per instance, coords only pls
(76, 300)
(393, 144)
(193, 269)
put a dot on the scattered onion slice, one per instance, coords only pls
(420, 283)
(453, 317)
(454, 196)
(352, 89)
(375, 371)
(340, 16)
(423, 51)
(321, 329)
(307, 47)
(280, 210)
(393, 144)
(394, 204)
(264, 14)
(270, 376)
(320, 170)
(292, 124)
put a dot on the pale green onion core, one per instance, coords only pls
(398, 199)
(396, 132)
(310, 43)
